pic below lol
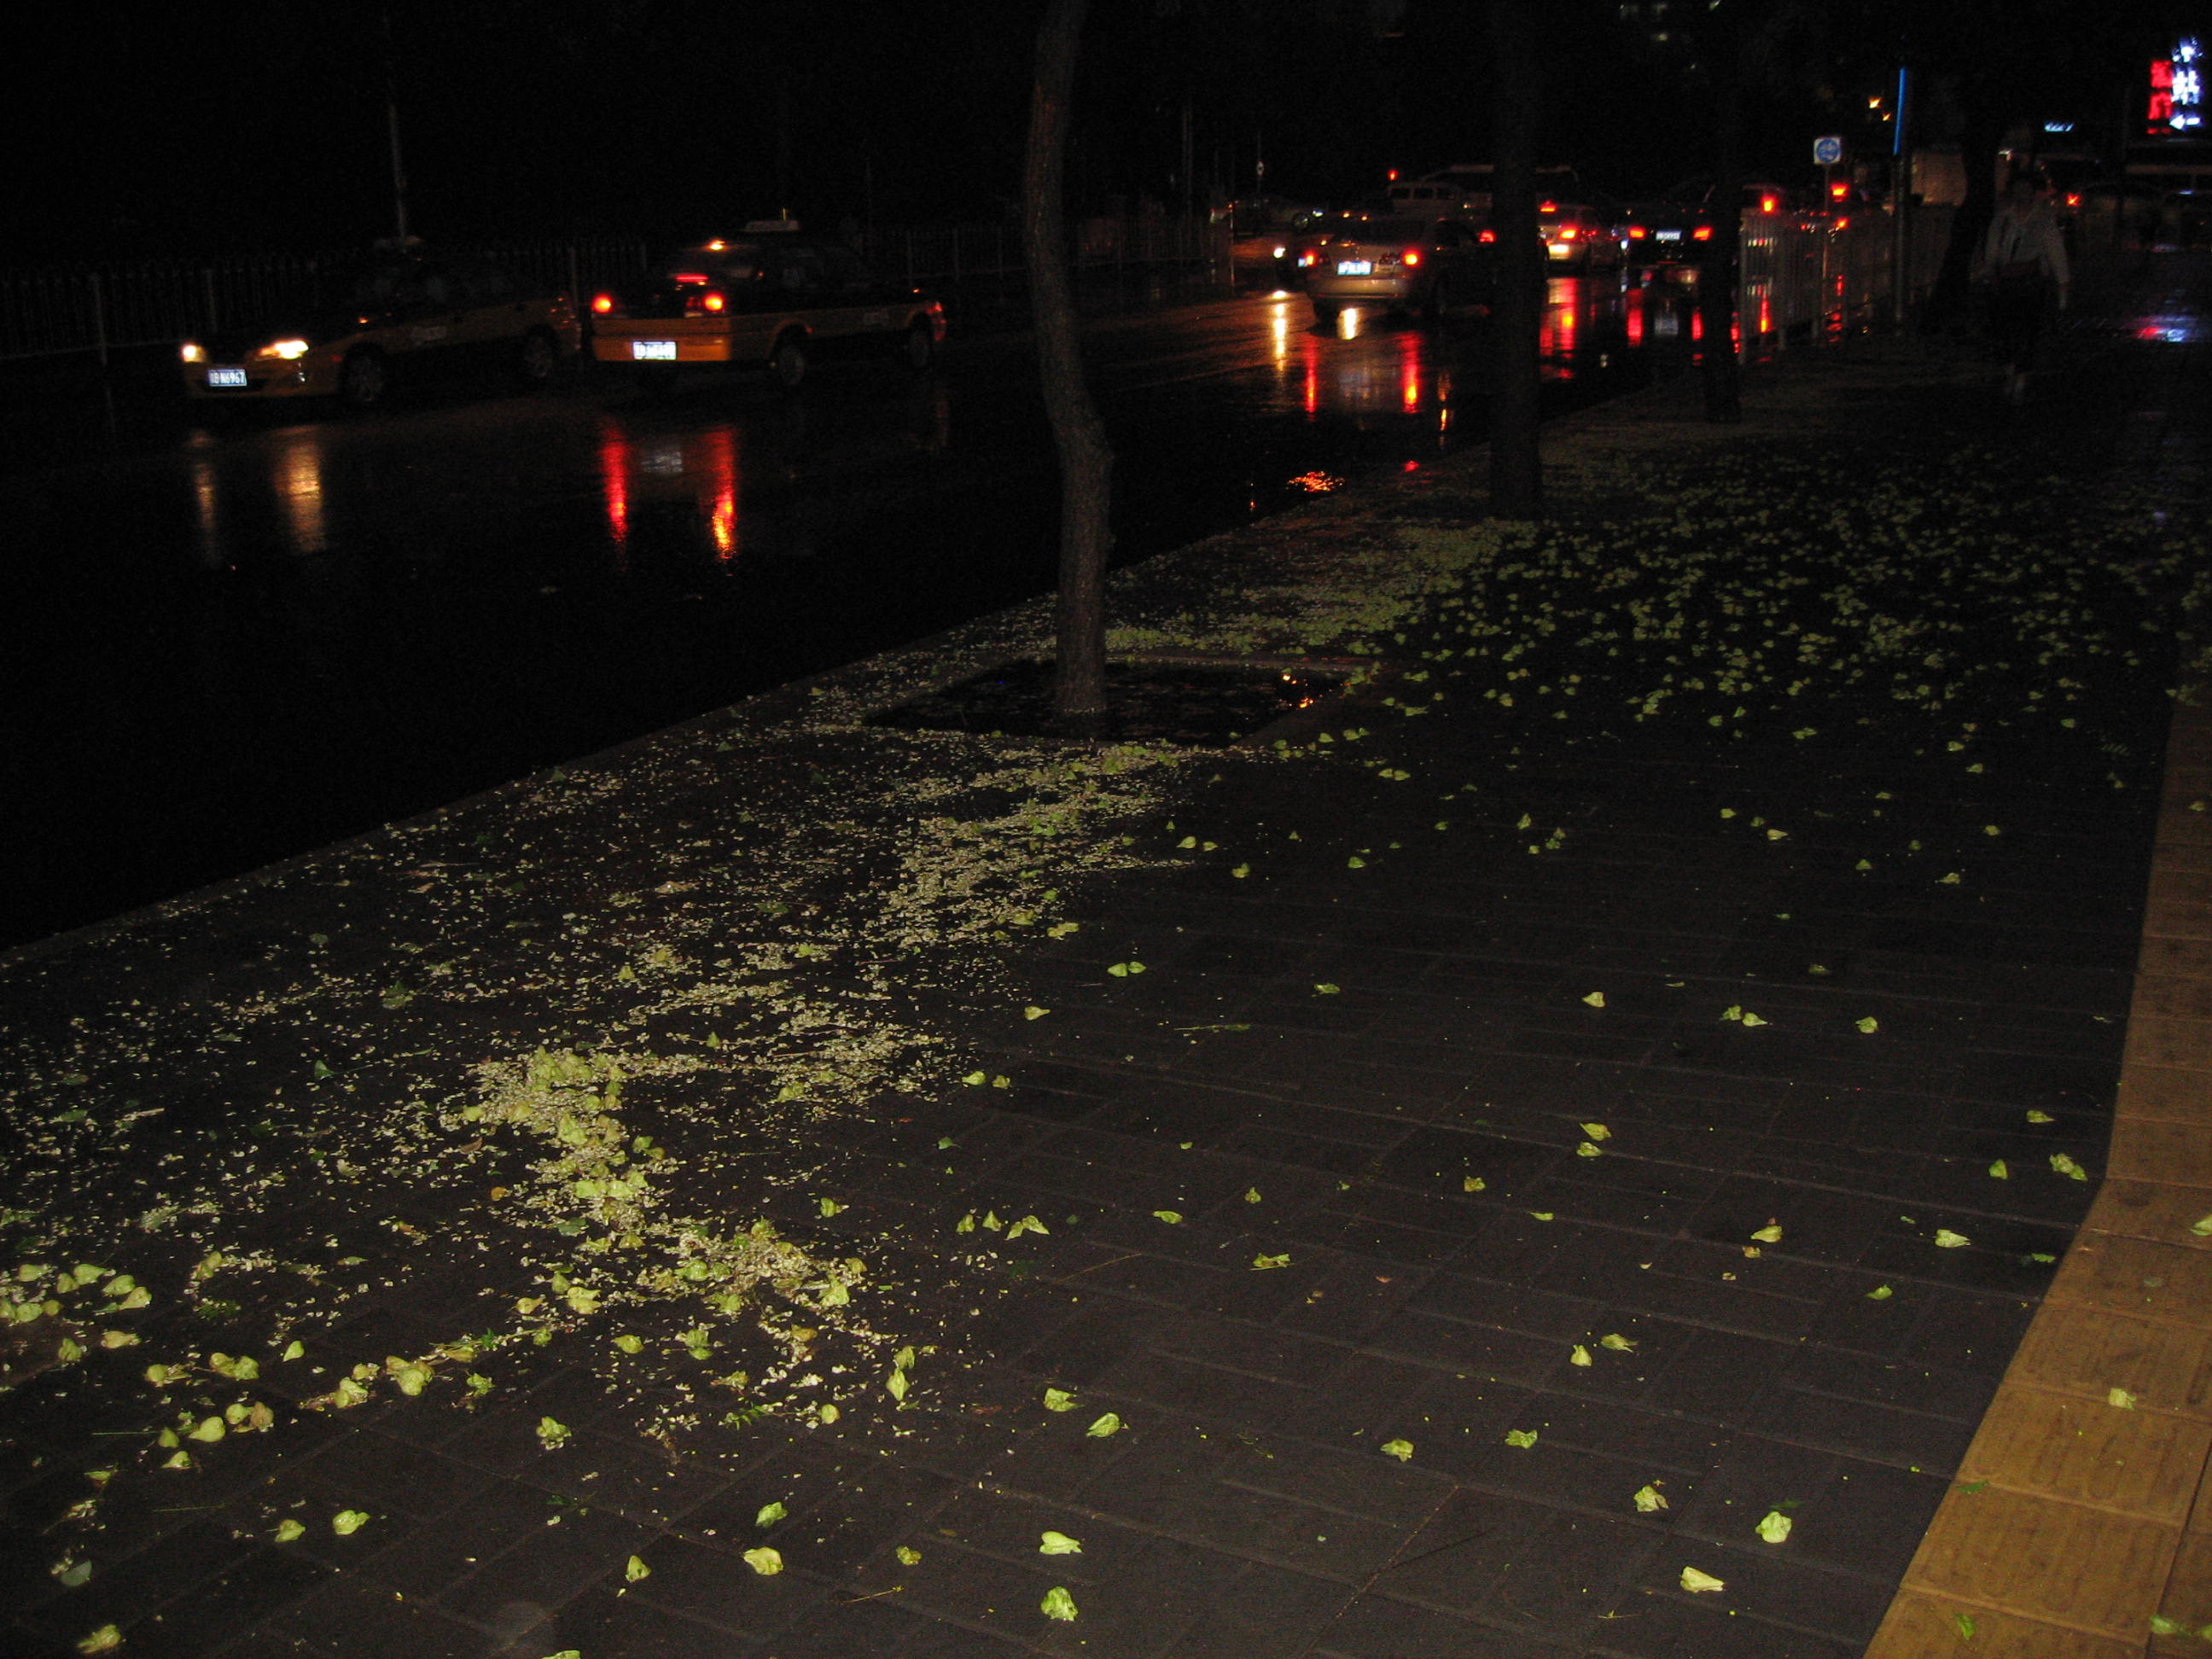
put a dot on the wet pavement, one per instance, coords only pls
(1557, 1168)
(240, 639)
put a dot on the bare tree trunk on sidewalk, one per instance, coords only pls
(1086, 462)
(1516, 464)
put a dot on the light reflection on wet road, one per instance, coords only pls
(238, 640)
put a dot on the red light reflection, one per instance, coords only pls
(700, 470)
(719, 460)
(614, 473)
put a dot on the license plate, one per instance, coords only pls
(649, 350)
(1355, 267)
(1669, 235)
(227, 377)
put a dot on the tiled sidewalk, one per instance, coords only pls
(1441, 1311)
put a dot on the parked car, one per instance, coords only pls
(1677, 228)
(1264, 235)
(1397, 264)
(771, 296)
(402, 314)
(1577, 238)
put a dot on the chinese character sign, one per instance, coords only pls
(2176, 91)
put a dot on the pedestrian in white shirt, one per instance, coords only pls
(2023, 262)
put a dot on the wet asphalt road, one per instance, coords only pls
(234, 639)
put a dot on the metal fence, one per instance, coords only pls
(1817, 276)
(111, 307)
(99, 309)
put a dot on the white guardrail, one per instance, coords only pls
(1796, 274)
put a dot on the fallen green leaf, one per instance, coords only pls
(1701, 1583)
(1400, 1449)
(1773, 1527)
(1059, 1543)
(1058, 1604)
(764, 1561)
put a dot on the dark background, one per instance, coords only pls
(261, 125)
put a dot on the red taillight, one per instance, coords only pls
(1702, 234)
(1638, 233)
(1842, 224)
(1309, 257)
(1487, 236)
(1566, 232)
(2073, 198)
(1769, 204)
(712, 301)
(1836, 192)
(1412, 256)
(699, 276)
(1547, 206)
(603, 303)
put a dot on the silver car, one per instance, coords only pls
(1402, 265)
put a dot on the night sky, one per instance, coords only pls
(260, 124)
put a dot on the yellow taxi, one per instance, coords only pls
(770, 297)
(403, 315)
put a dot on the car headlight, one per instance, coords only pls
(288, 349)
(192, 352)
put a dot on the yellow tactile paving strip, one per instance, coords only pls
(2081, 1523)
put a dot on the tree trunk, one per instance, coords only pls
(1722, 276)
(1517, 465)
(1086, 462)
